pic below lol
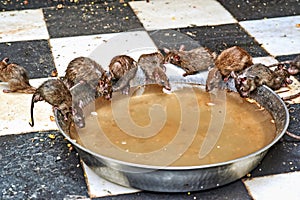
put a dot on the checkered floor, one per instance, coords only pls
(38, 163)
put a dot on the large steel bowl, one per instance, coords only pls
(183, 179)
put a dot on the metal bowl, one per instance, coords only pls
(183, 179)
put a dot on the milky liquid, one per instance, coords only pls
(189, 127)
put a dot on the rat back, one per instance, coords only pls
(191, 61)
(233, 59)
(83, 69)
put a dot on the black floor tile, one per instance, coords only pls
(218, 38)
(35, 56)
(284, 155)
(34, 166)
(235, 190)
(249, 10)
(294, 110)
(286, 57)
(6, 5)
(90, 19)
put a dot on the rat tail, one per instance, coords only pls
(30, 90)
(31, 123)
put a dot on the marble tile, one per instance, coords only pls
(99, 187)
(90, 18)
(102, 48)
(279, 186)
(35, 56)
(173, 14)
(220, 37)
(22, 25)
(279, 36)
(249, 10)
(267, 60)
(66, 49)
(15, 112)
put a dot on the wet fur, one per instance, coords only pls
(54, 92)
(82, 95)
(233, 59)
(84, 69)
(153, 67)
(259, 74)
(16, 76)
(123, 69)
(192, 61)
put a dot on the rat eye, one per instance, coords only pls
(243, 79)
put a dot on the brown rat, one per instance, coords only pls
(16, 76)
(56, 93)
(294, 65)
(214, 79)
(153, 67)
(84, 69)
(192, 61)
(259, 74)
(122, 68)
(82, 95)
(233, 59)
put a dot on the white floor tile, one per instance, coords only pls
(66, 49)
(15, 112)
(268, 60)
(99, 187)
(279, 186)
(22, 25)
(178, 13)
(102, 48)
(279, 36)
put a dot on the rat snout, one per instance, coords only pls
(79, 121)
(293, 70)
(288, 81)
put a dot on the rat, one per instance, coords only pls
(82, 95)
(192, 61)
(294, 65)
(154, 69)
(56, 93)
(230, 61)
(259, 74)
(84, 69)
(122, 69)
(16, 76)
(233, 59)
(214, 79)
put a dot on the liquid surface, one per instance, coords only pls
(188, 127)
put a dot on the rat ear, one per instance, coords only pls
(166, 50)
(80, 104)
(233, 74)
(181, 48)
(5, 60)
(280, 66)
(74, 111)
